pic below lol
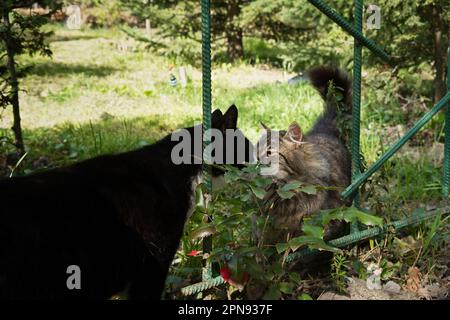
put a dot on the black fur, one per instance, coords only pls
(118, 217)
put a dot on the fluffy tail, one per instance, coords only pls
(323, 78)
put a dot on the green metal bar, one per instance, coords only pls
(395, 147)
(370, 233)
(446, 176)
(202, 286)
(356, 103)
(336, 17)
(206, 105)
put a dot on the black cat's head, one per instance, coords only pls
(228, 145)
(232, 148)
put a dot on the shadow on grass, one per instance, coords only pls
(69, 143)
(72, 37)
(53, 68)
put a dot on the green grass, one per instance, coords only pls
(103, 93)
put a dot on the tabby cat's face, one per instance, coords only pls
(283, 150)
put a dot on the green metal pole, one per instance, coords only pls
(206, 105)
(352, 238)
(395, 147)
(356, 103)
(347, 26)
(446, 178)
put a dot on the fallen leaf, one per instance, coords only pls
(413, 281)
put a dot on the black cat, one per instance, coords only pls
(119, 218)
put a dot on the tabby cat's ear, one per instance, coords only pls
(294, 133)
(230, 118)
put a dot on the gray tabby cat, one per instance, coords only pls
(318, 158)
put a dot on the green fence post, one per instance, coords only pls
(356, 102)
(446, 178)
(206, 105)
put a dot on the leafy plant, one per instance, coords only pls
(339, 270)
(237, 224)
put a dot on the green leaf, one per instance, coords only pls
(291, 186)
(304, 296)
(288, 190)
(253, 267)
(286, 287)
(251, 169)
(351, 214)
(277, 268)
(231, 176)
(301, 241)
(259, 192)
(199, 200)
(246, 196)
(367, 219)
(262, 181)
(281, 247)
(203, 232)
(233, 265)
(311, 242)
(309, 189)
(232, 220)
(313, 231)
(295, 277)
(285, 194)
(338, 95)
(273, 293)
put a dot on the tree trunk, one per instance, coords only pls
(439, 53)
(14, 83)
(235, 47)
(234, 34)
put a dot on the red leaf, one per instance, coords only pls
(225, 272)
(193, 253)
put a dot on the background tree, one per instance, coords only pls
(175, 19)
(416, 34)
(20, 32)
(231, 21)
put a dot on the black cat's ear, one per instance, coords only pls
(230, 118)
(216, 119)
